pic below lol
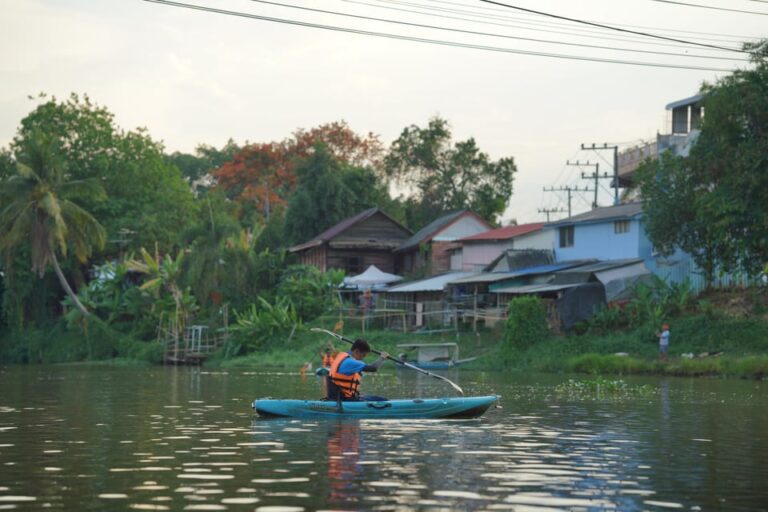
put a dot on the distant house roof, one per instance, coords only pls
(684, 102)
(504, 233)
(336, 230)
(432, 284)
(429, 231)
(534, 288)
(618, 212)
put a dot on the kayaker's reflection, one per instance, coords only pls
(344, 471)
(346, 372)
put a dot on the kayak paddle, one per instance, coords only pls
(398, 361)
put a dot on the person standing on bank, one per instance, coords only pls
(663, 342)
(346, 373)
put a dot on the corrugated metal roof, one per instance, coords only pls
(600, 266)
(535, 288)
(486, 277)
(491, 277)
(504, 233)
(431, 284)
(618, 212)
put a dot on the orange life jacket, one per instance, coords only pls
(347, 384)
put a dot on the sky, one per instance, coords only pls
(192, 76)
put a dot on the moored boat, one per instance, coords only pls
(416, 408)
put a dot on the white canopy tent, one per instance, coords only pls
(372, 277)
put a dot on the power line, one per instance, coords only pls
(710, 7)
(574, 31)
(611, 27)
(487, 34)
(739, 38)
(428, 41)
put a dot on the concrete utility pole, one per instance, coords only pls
(595, 147)
(569, 191)
(547, 211)
(594, 176)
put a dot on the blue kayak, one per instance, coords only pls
(417, 408)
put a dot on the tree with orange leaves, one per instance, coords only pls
(263, 176)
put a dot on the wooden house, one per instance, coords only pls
(354, 244)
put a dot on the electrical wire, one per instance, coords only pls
(739, 38)
(488, 34)
(612, 27)
(686, 4)
(575, 31)
(429, 41)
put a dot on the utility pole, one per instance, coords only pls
(569, 191)
(605, 146)
(547, 211)
(594, 176)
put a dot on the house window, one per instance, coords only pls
(566, 236)
(353, 265)
(621, 226)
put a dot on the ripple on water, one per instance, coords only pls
(663, 504)
(240, 501)
(280, 480)
(278, 508)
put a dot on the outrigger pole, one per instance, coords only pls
(398, 361)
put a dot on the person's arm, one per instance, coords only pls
(374, 367)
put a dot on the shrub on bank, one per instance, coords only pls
(526, 322)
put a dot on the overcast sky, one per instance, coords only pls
(195, 77)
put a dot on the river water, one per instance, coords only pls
(111, 438)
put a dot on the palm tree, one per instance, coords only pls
(37, 207)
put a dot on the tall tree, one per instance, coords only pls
(714, 203)
(39, 209)
(263, 176)
(446, 176)
(329, 191)
(198, 168)
(148, 199)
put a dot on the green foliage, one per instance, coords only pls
(448, 176)
(149, 201)
(260, 326)
(328, 191)
(196, 167)
(714, 203)
(57, 344)
(249, 272)
(39, 210)
(526, 322)
(599, 364)
(653, 303)
(310, 291)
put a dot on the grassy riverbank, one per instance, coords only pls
(701, 345)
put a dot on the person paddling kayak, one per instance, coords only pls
(346, 372)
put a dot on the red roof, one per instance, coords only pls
(504, 233)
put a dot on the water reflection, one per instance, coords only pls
(111, 439)
(343, 471)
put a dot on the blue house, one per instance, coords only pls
(617, 233)
(607, 233)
